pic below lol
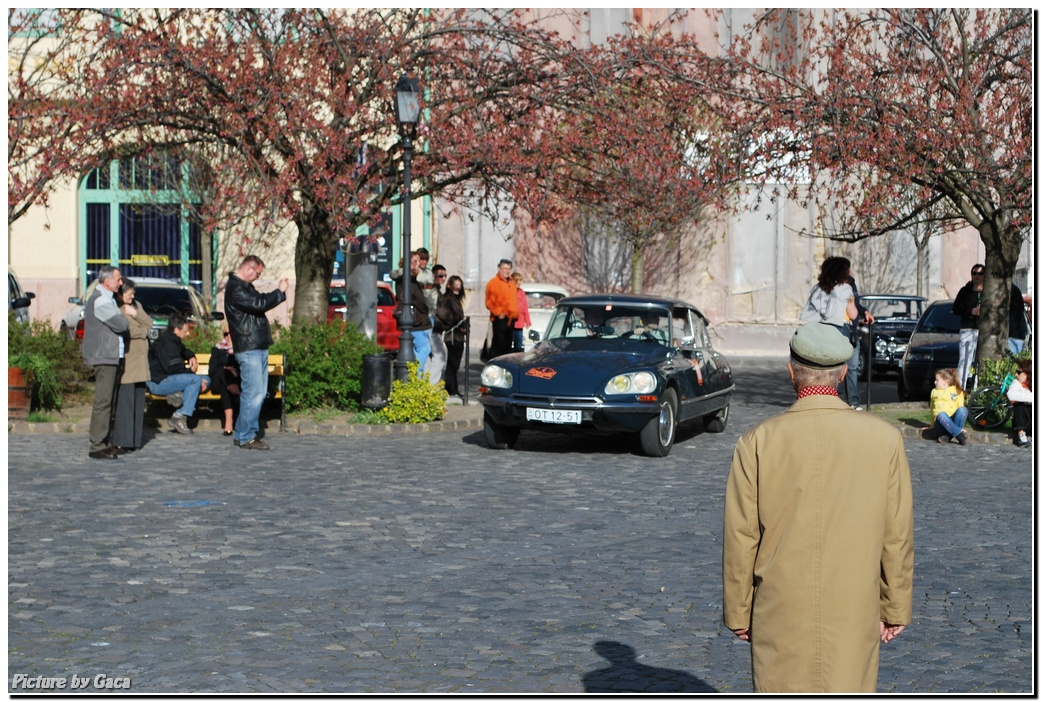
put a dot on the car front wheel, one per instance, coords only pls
(498, 436)
(657, 437)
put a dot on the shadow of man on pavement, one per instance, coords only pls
(626, 675)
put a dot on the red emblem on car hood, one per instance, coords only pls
(544, 373)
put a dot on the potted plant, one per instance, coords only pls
(30, 376)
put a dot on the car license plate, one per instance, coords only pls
(554, 416)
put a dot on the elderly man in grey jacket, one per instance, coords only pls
(103, 347)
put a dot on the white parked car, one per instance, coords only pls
(542, 300)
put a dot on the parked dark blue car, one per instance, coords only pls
(611, 363)
(933, 345)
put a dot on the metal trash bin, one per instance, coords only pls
(375, 380)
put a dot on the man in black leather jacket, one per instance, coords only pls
(245, 309)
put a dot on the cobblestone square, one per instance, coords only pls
(427, 563)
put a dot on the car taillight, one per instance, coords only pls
(79, 330)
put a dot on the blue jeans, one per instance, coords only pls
(952, 425)
(253, 372)
(421, 345)
(188, 383)
(1015, 346)
(852, 382)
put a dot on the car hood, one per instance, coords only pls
(564, 367)
(903, 329)
(933, 339)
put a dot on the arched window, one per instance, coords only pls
(133, 215)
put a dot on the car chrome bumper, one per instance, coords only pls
(596, 414)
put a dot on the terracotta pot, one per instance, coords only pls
(19, 395)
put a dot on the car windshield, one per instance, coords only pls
(940, 319)
(893, 308)
(610, 325)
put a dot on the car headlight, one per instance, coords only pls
(881, 346)
(919, 355)
(496, 377)
(639, 383)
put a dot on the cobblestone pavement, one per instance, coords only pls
(427, 563)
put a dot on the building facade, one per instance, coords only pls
(749, 272)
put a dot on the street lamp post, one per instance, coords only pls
(406, 108)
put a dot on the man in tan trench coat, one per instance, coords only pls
(818, 543)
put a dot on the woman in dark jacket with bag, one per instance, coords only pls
(453, 320)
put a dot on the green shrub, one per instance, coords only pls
(992, 372)
(50, 360)
(417, 400)
(323, 364)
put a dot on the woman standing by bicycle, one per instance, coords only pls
(947, 403)
(1021, 395)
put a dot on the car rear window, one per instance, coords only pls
(543, 300)
(338, 296)
(940, 319)
(893, 308)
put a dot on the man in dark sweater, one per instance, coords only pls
(166, 362)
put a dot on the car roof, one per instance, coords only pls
(339, 283)
(888, 296)
(625, 299)
(544, 288)
(158, 282)
(151, 282)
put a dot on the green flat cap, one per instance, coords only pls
(819, 345)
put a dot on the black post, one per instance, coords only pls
(406, 349)
(867, 363)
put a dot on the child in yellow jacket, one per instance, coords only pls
(947, 403)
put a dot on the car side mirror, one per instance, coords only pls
(534, 336)
(22, 302)
(217, 316)
(75, 300)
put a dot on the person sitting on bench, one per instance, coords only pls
(166, 360)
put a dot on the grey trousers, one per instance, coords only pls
(106, 382)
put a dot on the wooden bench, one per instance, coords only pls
(276, 370)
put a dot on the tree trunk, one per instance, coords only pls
(315, 255)
(923, 257)
(1002, 245)
(638, 265)
(207, 268)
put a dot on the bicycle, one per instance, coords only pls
(989, 406)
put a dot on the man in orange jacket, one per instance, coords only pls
(500, 297)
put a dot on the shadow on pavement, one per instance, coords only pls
(626, 675)
(563, 441)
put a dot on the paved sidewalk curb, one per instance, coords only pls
(458, 418)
